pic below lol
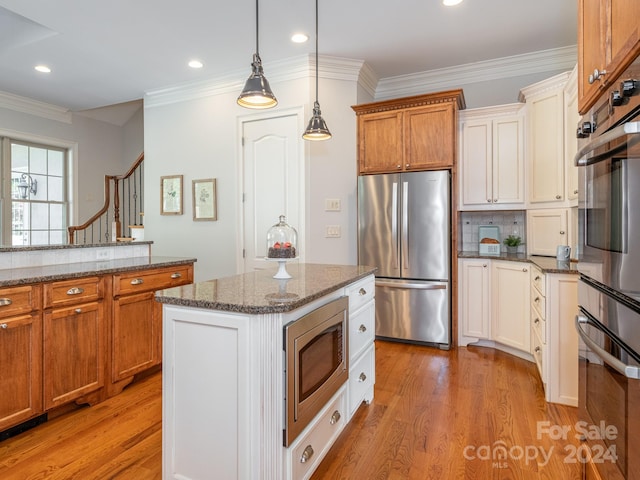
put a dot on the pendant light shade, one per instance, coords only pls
(257, 92)
(317, 128)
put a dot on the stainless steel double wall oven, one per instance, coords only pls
(609, 291)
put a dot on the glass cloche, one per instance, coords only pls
(282, 240)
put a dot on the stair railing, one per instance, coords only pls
(106, 225)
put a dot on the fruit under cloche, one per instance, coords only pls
(281, 240)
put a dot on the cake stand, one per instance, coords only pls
(282, 266)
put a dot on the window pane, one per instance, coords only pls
(39, 216)
(56, 165)
(20, 216)
(15, 180)
(55, 189)
(19, 237)
(38, 160)
(56, 216)
(57, 237)
(39, 237)
(19, 157)
(41, 188)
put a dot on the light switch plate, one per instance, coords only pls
(333, 231)
(332, 205)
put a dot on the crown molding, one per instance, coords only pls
(303, 66)
(563, 58)
(35, 107)
(488, 112)
(543, 86)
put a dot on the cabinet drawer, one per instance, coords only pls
(308, 450)
(537, 350)
(18, 300)
(361, 292)
(361, 379)
(70, 292)
(150, 280)
(362, 326)
(539, 302)
(539, 324)
(538, 280)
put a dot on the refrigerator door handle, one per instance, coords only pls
(394, 223)
(405, 225)
(417, 286)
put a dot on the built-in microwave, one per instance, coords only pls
(316, 363)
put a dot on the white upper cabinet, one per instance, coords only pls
(491, 159)
(570, 141)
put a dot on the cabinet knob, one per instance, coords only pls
(575, 192)
(176, 275)
(484, 265)
(537, 299)
(362, 378)
(525, 270)
(407, 165)
(307, 454)
(537, 349)
(362, 329)
(596, 75)
(137, 281)
(536, 321)
(558, 197)
(398, 166)
(5, 301)
(335, 418)
(78, 310)
(537, 278)
(75, 291)
(362, 292)
(4, 326)
(489, 200)
(561, 232)
(495, 200)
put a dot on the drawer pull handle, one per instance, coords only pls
(307, 454)
(137, 281)
(75, 291)
(362, 328)
(537, 278)
(362, 292)
(5, 301)
(78, 310)
(335, 418)
(362, 377)
(176, 275)
(537, 349)
(4, 326)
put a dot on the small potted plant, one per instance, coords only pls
(512, 242)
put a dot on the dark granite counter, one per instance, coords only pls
(259, 293)
(546, 264)
(47, 273)
(35, 248)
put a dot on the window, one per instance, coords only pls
(38, 198)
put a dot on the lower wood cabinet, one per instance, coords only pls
(20, 355)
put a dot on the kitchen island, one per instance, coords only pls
(224, 378)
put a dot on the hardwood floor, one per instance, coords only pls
(435, 415)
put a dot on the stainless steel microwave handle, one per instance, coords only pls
(417, 286)
(628, 371)
(586, 156)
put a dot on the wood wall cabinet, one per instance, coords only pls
(414, 133)
(491, 165)
(608, 41)
(20, 354)
(74, 339)
(136, 330)
(510, 313)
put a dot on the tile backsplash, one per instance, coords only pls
(510, 222)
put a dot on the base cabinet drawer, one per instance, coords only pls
(362, 326)
(309, 449)
(362, 379)
(537, 350)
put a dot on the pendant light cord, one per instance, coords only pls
(257, 29)
(316, 51)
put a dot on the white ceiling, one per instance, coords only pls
(106, 52)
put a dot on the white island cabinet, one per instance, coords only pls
(224, 379)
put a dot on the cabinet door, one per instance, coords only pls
(624, 34)
(429, 136)
(591, 49)
(73, 352)
(546, 229)
(570, 141)
(137, 331)
(21, 367)
(476, 172)
(380, 142)
(508, 160)
(474, 293)
(510, 304)
(546, 152)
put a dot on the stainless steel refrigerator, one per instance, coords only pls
(404, 229)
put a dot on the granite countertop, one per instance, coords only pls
(546, 264)
(259, 293)
(66, 246)
(47, 273)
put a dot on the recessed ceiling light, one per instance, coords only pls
(42, 69)
(299, 38)
(195, 64)
(450, 3)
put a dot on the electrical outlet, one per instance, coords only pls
(332, 205)
(333, 231)
(103, 254)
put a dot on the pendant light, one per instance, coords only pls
(317, 128)
(257, 92)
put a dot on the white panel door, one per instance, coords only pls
(272, 172)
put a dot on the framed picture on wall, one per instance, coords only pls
(204, 199)
(171, 195)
